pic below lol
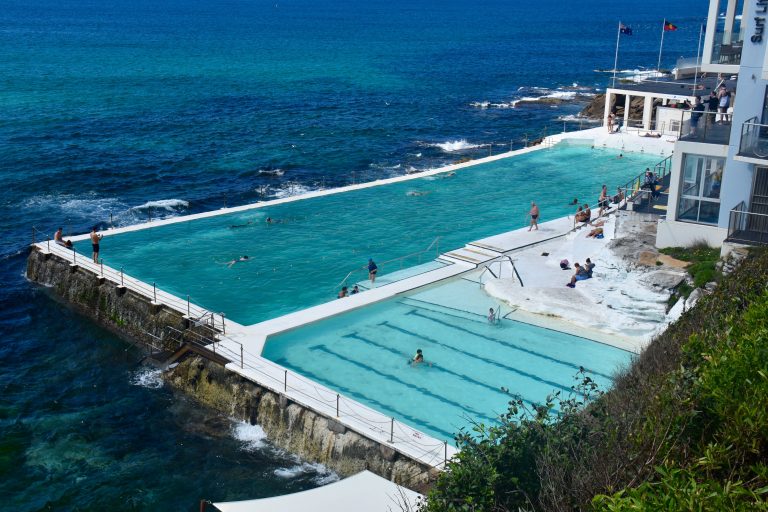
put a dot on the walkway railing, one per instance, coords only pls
(399, 262)
(120, 278)
(329, 403)
(633, 189)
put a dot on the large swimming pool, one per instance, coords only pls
(298, 261)
(476, 367)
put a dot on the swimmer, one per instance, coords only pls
(236, 226)
(415, 193)
(238, 260)
(343, 293)
(574, 202)
(355, 290)
(491, 316)
(418, 358)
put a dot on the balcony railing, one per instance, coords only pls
(754, 140)
(747, 227)
(707, 127)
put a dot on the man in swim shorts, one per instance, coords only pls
(372, 270)
(534, 213)
(95, 239)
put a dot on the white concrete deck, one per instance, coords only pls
(363, 492)
(625, 140)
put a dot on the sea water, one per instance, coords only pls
(125, 108)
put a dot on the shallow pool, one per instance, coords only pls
(476, 367)
(299, 261)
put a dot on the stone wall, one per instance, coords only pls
(294, 427)
(288, 425)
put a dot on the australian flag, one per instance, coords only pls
(625, 29)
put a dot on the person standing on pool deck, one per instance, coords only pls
(95, 239)
(372, 270)
(534, 213)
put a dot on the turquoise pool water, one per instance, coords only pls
(363, 355)
(299, 261)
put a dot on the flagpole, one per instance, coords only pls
(658, 64)
(616, 57)
(698, 57)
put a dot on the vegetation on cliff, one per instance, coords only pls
(684, 428)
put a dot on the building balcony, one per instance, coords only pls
(704, 127)
(753, 146)
(748, 227)
(727, 47)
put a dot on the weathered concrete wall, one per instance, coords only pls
(292, 426)
(125, 312)
(288, 425)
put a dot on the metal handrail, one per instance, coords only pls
(435, 243)
(634, 187)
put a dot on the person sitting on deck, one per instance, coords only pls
(649, 182)
(580, 275)
(584, 214)
(619, 197)
(589, 267)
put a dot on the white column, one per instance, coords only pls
(607, 111)
(730, 16)
(647, 112)
(709, 36)
(627, 101)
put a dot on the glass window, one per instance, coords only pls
(700, 189)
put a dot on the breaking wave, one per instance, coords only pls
(454, 145)
(252, 437)
(169, 205)
(147, 378)
(323, 475)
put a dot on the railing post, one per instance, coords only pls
(241, 356)
(101, 262)
(74, 256)
(392, 431)
(121, 277)
(189, 315)
(223, 326)
(48, 242)
(445, 455)
(337, 404)
(285, 381)
(154, 292)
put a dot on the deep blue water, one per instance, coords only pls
(124, 108)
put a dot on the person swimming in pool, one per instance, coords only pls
(238, 260)
(418, 358)
(491, 316)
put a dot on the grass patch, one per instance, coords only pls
(702, 260)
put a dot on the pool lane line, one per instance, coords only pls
(470, 354)
(436, 367)
(382, 407)
(414, 387)
(510, 345)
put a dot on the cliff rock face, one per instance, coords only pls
(596, 107)
(292, 426)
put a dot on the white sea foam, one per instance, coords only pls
(271, 172)
(147, 378)
(253, 437)
(169, 205)
(322, 474)
(454, 145)
(87, 206)
(291, 189)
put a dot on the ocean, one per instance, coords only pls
(116, 110)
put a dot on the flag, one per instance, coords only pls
(669, 27)
(625, 29)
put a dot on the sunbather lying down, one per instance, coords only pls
(651, 134)
(595, 233)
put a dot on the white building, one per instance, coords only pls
(719, 189)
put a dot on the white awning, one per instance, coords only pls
(364, 491)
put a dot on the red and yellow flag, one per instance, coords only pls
(669, 26)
